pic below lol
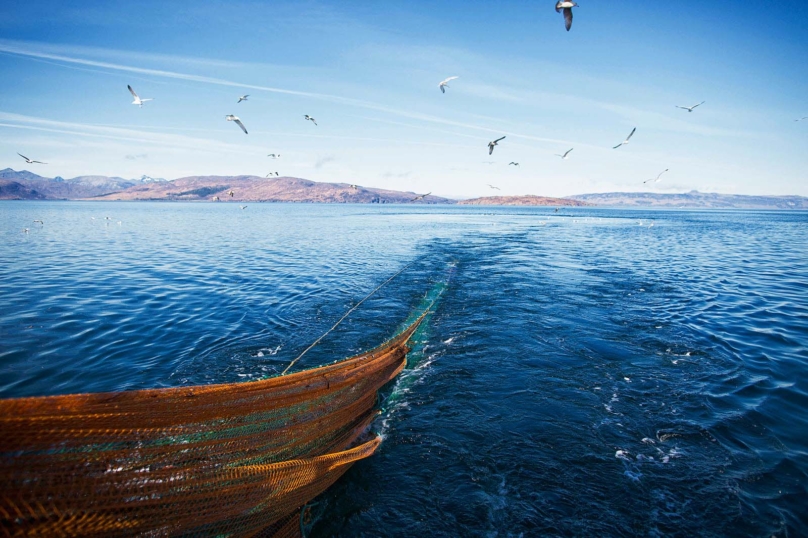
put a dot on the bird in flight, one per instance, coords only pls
(274, 156)
(354, 187)
(690, 108)
(310, 119)
(39, 221)
(497, 188)
(567, 6)
(803, 118)
(513, 163)
(138, 101)
(30, 161)
(565, 153)
(230, 193)
(656, 179)
(215, 198)
(25, 230)
(492, 144)
(242, 98)
(236, 119)
(445, 84)
(242, 207)
(627, 139)
(420, 196)
(269, 174)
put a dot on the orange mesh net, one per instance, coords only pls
(235, 459)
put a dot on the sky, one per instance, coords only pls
(368, 72)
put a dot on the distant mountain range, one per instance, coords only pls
(693, 199)
(25, 185)
(523, 200)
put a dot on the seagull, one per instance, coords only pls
(269, 174)
(421, 196)
(565, 153)
(215, 198)
(567, 6)
(30, 161)
(231, 193)
(242, 98)
(138, 101)
(354, 187)
(107, 218)
(25, 230)
(556, 210)
(497, 188)
(492, 144)
(445, 84)
(310, 119)
(627, 139)
(274, 156)
(803, 118)
(242, 207)
(657, 178)
(231, 117)
(690, 108)
(40, 222)
(513, 163)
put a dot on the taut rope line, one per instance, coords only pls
(348, 313)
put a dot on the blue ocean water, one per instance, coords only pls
(584, 373)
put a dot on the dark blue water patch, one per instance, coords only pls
(584, 373)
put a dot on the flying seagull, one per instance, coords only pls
(231, 193)
(215, 198)
(803, 118)
(492, 144)
(242, 207)
(30, 161)
(39, 221)
(567, 6)
(565, 153)
(421, 196)
(690, 108)
(497, 188)
(627, 139)
(269, 174)
(242, 98)
(310, 119)
(138, 101)
(354, 187)
(513, 163)
(231, 117)
(445, 84)
(274, 156)
(655, 180)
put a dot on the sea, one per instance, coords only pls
(584, 372)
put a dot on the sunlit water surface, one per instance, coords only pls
(584, 373)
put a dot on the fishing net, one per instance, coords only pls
(236, 459)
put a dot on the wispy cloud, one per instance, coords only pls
(162, 140)
(322, 161)
(136, 157)
(25, 50)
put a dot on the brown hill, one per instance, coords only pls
(12, 190)
(524, 200)
(258, 189)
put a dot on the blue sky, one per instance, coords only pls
(368, 72)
